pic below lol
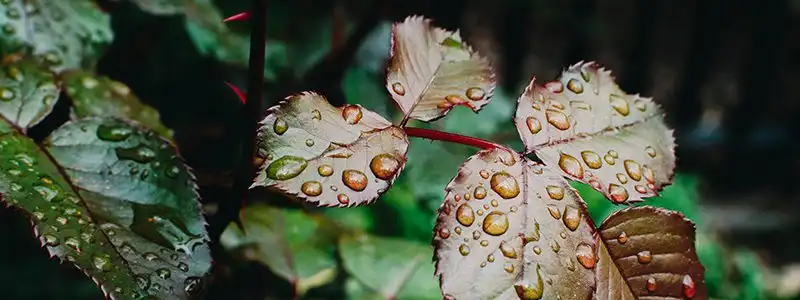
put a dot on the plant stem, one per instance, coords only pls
(432, 134)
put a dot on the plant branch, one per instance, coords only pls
(436, 135)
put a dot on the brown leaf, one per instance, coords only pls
(648, 253)
(594, 132)
(326, 155)
(432, 70)
(509, 228)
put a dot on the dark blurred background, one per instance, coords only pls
(724, 72)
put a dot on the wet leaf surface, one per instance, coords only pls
(512, 228)
(28, 92)
(291, 243)
(326, 155)
(432, 70)
(94, 95)
(66, 34)
(648, 253)
(388, 268)
(135, 235)
(587, 128)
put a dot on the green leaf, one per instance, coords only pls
(28, 92)
(360, 86)
(67, 34)
(134, 235)
(291, 243)
(393, 268)
(163, 7)
(94, 95)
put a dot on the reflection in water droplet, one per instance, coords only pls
(463, 249)
(644, 257)
(465, 215)
(504, 185)
(286, 167)
(575, 86)
(617, 193)
(557, 119)
(619, 104)
(476, 234)
(495, 223)
(572, 217)
(688, 286)
(585, 255)
(484, 174)
(480, 192)
(354, 179)
(141, 154)
(398, 89)
(592, 159)
(490, 258)
(444, 232)
(509, 268)
(280, 126)
(476, 93)
(343, 199)
(622, 238)
(311, 188)
(508, 250)
(651, 284)
(555, 192)
(633, 169)
(6, 94)
(554, 212)
(352, 114)
(384, 166)
(325, 170)
(113, 133)
(570, 165)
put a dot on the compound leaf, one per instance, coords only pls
(28, 92)
(648, 253)
(326, 155)
(114, 200)
(432, 70)
(595, 133)
(512, 228)
(95, 95)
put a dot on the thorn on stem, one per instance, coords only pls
(242, 16)
(238, 92)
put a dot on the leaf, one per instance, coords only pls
(431, 70)
(510, 228)
(67, 34)
(326, 155)
(163, 7)
(595, 133)
(134, 235)
(648, 253)
(394, 268)
(94, 95)
(28, 92)
(290, 243)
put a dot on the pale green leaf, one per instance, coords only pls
(28, 92)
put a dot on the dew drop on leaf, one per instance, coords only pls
(504, 185)
(557, 119)
(634, 169)
(141, 154)
(644, 257)
(464, 249)
(398, 88)
(354, 179)
(619, 104)
(651, 284)
(384, 166)
(508, 250)
(572, 217)
(476, 93)
(480, 192)
(343, 199)
(113, 133)
(465, 215)
(555, 192)
(311, 188)
(688, 286)
(495, 223)
(352, 114)
(554, 212)
(101, 263)
(592, 159)
(280, 126)
(172, 171)
(6, 94)
(622, 238)
(163, 273)
(325, 170)
(617, 193)
(585, 255)
(575, 86)
(286, 167)
(50, 240)
(570, 165)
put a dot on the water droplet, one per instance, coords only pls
(87, 237)
(480, 192)
(192, 285)
(557, 119)
(508, 250)
(651, 284)
(592, 159)
(688, 286)
(476, 93)
(458, 230)
(554, 212)
(47, 193)
(634, 169)
(444, 232)
(325, 170)
(50, 240)
(622, 178)
(585, 255)
(16, 187)
(280, 126)
(183, 267)
(101, 263)
(172, 171)
(48, 100)
(575, 86)
(534, 125)
(309, 142)
(640, 188)
(311, 188)
(622, 238)
(509, 268)
(398, 88)
(649, 175)
(465, 215)
(354, 179)
(343, 199)
(644, 257)
(484, 174)
(504, 185)
(650, 151)
(150, 256)
(613, 153)
(352, 114)
(61, 220)
(141, 154)
(495, 223)
(617, 193)
(484, 243)
(384, 166)
(555, 192)
(563, 235)
(570, 165)
(557, 104)
(286, 167)
(619, 104)
(89, 82)
(463, 249)
(316, 115)
(476, 234)
(640, 105)
(555, 246)
(490, 258)
(572, 217)
(163, 273)
(6, 94)
(530, 292)
(554, 86)
(537, 250)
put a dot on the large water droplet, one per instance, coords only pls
(651, 284)
(286, 167)
(575, 86)
(570, 165)
(534, 125)
(463, 249)
(572, 217)
(352, 114)
(479, 192)
(475, 93)
(325, 170)
(6, 94)
(141, 154)
(343, 199)
(465, 215)
(688, 286)
(619, 104)
(113, 133)
(444, 233)
(495, 223)
(280, 126)
(585, 255)
(644, 257)
(311, 188)
(504, 185)
(101, 263)
(617, 193)
(633, 169)
(398, 88)
(555, 192)
(508, 250)
(557, 119)
(384, 166)
(354, 179)
(622, 238)
(592, 159)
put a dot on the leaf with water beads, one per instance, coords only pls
(66, 34)
(512, 228)
(648, 253)
(432, 70)
(28, 92)
(326, 155)
(587, 128)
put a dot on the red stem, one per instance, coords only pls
(436, 135)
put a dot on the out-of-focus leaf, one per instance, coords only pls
(67, 34)
(432, 70)
(114, 200)
(587, 128)
(393, 268)
(510, 228)
(290, 243)
(164, 7)
(326, 155)
(414, 220)
(354, 219)
(28, 92)
(752, 270)
(648, 252)
(94, 95)
(365, 88)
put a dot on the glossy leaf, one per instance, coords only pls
(291, 243)
(584, 126)
(95, 95)
(512, 228)
(392, 268)
(67, 34)
(134, 235)
(28, 92)
(432, 70)
(326, 155)
(648, 253)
